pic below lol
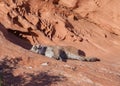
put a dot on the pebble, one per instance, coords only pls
(45, 64)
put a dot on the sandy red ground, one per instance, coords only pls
(89, 25)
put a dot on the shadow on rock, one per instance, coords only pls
(44, 79)
(16, 37)
(7, 78)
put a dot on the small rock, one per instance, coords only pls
(29, 67)
(45, 64)
(67, 66)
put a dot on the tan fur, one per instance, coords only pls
(63, 52)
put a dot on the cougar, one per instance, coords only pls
(61, 53)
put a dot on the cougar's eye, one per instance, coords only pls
(35, 47)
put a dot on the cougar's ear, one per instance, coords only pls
(34, 46)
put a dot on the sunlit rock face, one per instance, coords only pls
(69, 3)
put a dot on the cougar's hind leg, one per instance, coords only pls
(76, 57)
(92, 59)
(82, 59)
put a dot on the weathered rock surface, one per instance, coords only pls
(90, 25)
